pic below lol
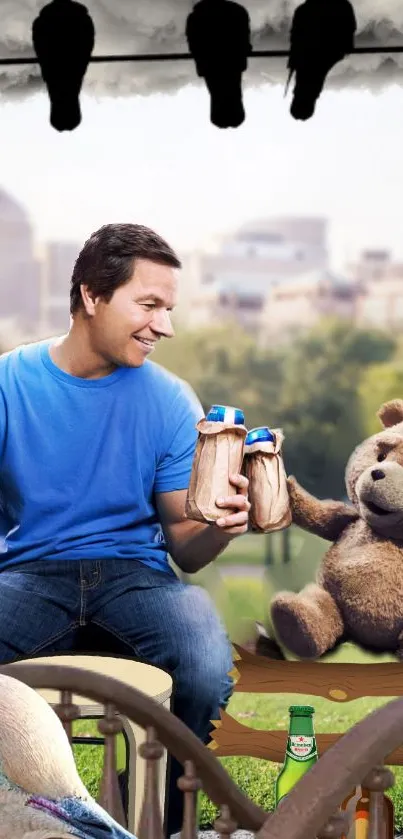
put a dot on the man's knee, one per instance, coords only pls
(205, 658)
(204, 677)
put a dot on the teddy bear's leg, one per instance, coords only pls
(307, 624)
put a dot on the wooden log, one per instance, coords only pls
(233, 739)
(337, 682)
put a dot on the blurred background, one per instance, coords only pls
(291, 293)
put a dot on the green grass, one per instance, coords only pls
(252, 548)
(247, 550)
(255, 777)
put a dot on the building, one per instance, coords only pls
(375, 266)
(380, 303)
(273, 280)
(189, 285)
(234, 283)
(299, 303)
(20, 275)
(58, 263)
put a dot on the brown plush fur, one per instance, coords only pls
(358, 594)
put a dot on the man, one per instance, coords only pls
(96, 448)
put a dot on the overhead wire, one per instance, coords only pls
(185, 56)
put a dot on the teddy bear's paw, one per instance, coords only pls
(294, 489)
(297, 626)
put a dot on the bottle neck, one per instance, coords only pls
(301, 725)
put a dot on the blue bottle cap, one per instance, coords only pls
(225, 413)
(262, 435)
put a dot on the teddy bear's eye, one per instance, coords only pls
(381, 456)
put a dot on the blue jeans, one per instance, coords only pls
(162, 620)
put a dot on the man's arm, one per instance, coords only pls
(193, 545)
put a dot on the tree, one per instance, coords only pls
(223, 366)
(321, 409)
(310, 388)
(380, 383)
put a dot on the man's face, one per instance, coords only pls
(125, 330)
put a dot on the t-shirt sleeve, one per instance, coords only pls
(175, 465)
(3, 424)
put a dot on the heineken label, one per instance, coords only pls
(300, 747)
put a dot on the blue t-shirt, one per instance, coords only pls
(82, 459)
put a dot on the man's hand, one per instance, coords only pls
(193, 544)
(237, 522)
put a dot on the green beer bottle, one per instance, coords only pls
(301, 752)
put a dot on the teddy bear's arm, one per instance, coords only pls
(326, 519)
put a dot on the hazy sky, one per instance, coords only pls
(160, 162)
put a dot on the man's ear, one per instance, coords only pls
(391, 413)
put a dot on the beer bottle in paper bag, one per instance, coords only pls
(268, 493)
(219, 454)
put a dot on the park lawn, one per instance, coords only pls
(251, 549)
(257, 777)
(248, 549)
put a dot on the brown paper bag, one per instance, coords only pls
(268, 493)
(219, 453)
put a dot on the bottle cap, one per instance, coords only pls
(225, 413)
(262, 434)
(301, 710)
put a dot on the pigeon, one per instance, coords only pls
(63, 37)
(322, 33)
(218, 35)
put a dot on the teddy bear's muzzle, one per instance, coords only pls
(380, 495)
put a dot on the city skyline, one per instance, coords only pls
(220, 239)
(274, 278)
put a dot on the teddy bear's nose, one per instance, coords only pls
(377, 474)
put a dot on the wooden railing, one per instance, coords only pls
(357, 757)
(160, 724)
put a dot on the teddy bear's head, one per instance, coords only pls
(374, 474)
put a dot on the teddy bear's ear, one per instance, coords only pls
(391, 413)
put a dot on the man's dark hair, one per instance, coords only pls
(108, 257)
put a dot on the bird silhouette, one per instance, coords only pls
(322, 33)
(218, 35)
(63, 37)
(41, 793)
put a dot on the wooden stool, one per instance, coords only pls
(145, 677)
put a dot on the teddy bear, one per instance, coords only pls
(358, 594)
